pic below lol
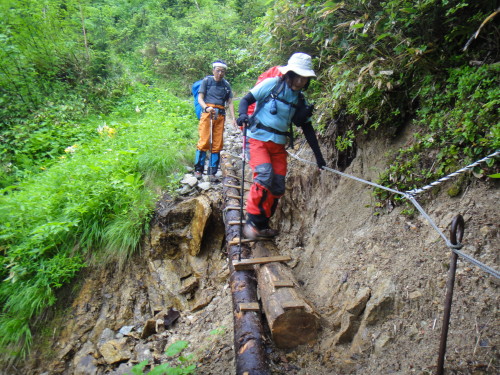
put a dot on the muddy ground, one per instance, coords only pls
(345, 250)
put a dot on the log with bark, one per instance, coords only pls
(250, 355)
(292, 319)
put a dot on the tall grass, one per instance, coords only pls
(93, 204)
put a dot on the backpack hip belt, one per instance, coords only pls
(219, 110)
(259, 125)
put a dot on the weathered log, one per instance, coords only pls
(250, 355)
(291, 318)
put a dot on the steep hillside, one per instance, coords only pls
(376, 278)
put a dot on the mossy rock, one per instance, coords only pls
(454, 190)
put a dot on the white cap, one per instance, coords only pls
(299, 63)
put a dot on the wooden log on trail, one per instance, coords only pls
(291, 318)
(250, 358)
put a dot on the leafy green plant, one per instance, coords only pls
(218, 331)
(457, 124)
(59, 64)
(183, 368)
(344, 142)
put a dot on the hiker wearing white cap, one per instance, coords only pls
(214, 96)
(280, 102)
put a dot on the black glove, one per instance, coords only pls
(242, 120)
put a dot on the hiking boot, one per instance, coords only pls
(252, 233)
(198, 175)
(214, 179)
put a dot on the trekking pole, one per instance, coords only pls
(242, 186)
(211, 143)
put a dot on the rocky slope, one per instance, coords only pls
(377, 278)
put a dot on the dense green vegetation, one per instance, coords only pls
(93, 204)
(386, 63)
(91, 133)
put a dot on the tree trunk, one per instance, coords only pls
(84, 31)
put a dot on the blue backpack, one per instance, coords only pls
(194, 89)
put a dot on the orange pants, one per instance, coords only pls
(217, 132)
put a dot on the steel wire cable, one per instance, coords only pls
(456, 173)
(411, 198)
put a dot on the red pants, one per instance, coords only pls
(269, 163)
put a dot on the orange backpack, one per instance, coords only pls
(270, 73)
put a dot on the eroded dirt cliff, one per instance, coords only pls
(378, 277)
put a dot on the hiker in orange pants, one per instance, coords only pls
(214, 96)
(211, 122)
(279, 103)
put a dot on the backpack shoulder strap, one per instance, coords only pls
(275, 91)
(209, 83)
(227, 86)
(278, 87)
